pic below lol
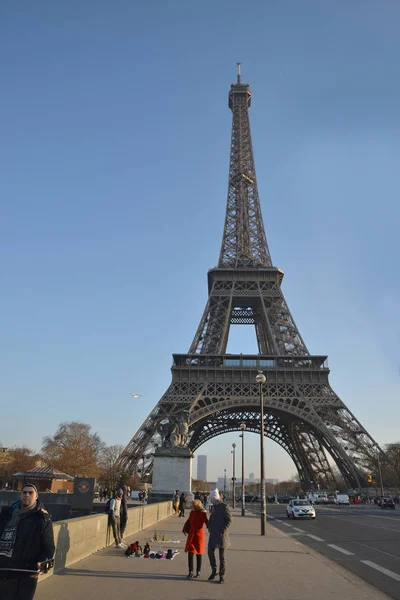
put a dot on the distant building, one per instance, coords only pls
(251, 477)
(202, 468)
(273, 481)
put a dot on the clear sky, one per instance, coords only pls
(114, 148)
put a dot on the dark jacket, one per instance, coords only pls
(34, 538)
(218, 524)
(123, 513)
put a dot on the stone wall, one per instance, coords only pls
(78, 538)
(58, 505)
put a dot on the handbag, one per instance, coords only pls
(187, 527)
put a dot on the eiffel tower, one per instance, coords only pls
(302, 413)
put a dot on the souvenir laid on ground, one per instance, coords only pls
(161, 554)
(160, 537)
(165, 541)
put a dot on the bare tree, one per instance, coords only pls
(111, 473)
(73, 449)
(16, 459)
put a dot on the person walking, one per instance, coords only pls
(123, 517)
(114, 518)
(182, 502)
(218, 525)
(175, 502)
(194, 529)
(26, 541)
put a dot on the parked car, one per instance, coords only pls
(300, 508)
(320, 500)
(283, 499)
(330, 500)
(248, 498)
(388, 503)
(343, 499)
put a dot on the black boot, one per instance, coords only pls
(221, 579)
(190, 575)
(197, 574)
(213, 575)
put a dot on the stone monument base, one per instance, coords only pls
(172, 470)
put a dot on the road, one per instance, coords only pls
(363, 539)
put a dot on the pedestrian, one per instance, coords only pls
(123, 513)
(194, 529)
(26, 541)
(175, 502)
(182, 502)
(218, 524)
(114, 519)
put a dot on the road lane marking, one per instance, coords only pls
(385, 518)
(286, 524)
(342, 550)
(315, 537)
(299, 530)
(369, 525)
(381, 569)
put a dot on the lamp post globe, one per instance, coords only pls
(261, 379)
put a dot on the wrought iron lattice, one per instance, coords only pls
(302, 412)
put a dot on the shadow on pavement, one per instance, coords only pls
(127, 575)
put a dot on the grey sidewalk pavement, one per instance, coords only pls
(275, 567)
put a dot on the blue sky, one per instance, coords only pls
(114, 146)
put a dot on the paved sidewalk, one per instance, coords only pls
(276, 567)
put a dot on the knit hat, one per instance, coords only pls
(214, 495)
(29, 484)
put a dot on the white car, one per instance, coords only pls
(300, 508)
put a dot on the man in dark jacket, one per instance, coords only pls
(218, 524)
(182, 503)
(123, 512)
(26, 540)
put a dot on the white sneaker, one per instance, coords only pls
(121, 546)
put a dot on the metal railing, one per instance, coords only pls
(250, 361)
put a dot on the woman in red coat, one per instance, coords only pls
(194, 529)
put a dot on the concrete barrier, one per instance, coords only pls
(78, 538)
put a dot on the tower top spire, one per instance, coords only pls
(239, 77)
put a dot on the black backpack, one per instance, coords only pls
(107, 507)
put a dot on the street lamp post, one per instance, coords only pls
(380, 475)
(224, 484)
(234, 474)
(261, 379)
(243, 427)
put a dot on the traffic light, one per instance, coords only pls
(369, 478)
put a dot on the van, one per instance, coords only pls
(343, 499)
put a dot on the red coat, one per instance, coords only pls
(195, 539)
